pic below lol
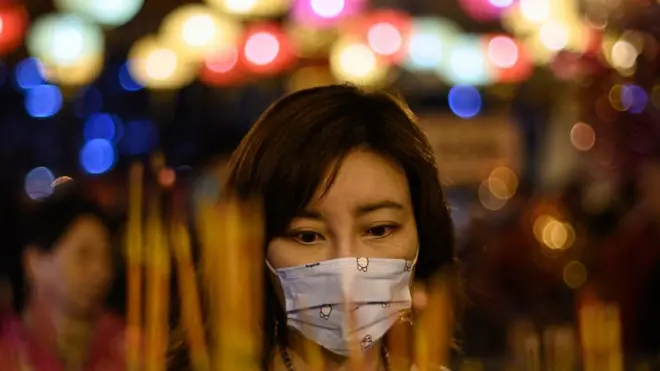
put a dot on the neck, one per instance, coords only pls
(299, 350)
(67, 335)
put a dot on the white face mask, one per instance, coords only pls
(319, 297)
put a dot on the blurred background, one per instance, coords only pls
(544, 115)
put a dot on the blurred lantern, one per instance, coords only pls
(64, 40)
(485, 10)
(157, 66)
(13, 23)
(507, 58)
(353, 61)
(222, 68)
(111, 13)
(267, 49)
(311, 42)
(195, 31)
(429, 44)
(386, 32)
(325, 13)
(468, 63)
(252, 8)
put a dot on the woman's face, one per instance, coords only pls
(367, 211)
(78, 271)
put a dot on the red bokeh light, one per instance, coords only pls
(266, 49)
(13, 23)
(223, 69)
(385, 31)
(481, 10)
(520, 70)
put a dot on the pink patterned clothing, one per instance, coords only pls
(30, 349)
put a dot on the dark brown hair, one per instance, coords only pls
(290, 150)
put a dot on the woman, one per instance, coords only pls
(67, 261)
(353, 209)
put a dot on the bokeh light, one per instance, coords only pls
(13, 24)
(267, 49)
(325, 13)
(503, 51)
(103, 126)
(38, 183)
(575, 274)
(110, 13)
(309, 77)
(353, 61)
(83, 72)
(157, 66)
(468, 63)
(195, 31)
(64, 39)
(583, 136)
(252, 8)
(43, 101)
(385, 31)
(488, 200)
(464, 101)
(97, 156)
(638, 96)
(503, 182)
(484, 10)
(222, 68)
(29, 73)
(430, 43)
(126, 80)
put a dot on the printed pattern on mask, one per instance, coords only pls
(362, 263)
(325, 311)
(367, 342)
(408, 267)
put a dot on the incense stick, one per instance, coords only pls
(134, 263)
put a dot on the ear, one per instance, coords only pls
(32, 261)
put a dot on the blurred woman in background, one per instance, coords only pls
(354, 211)
(67, 263)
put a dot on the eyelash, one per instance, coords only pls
(389, 230)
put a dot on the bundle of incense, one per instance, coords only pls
(134, 267)
(237, 284)
(158, 279)
(399, 342)
(432, 334)
(191, 314)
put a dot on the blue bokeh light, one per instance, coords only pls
(465, 101)
(638, 98)
(29, 74)
(140, 137)
(43, 101)
(103, 126)
(39, 183)
(88, 102)
(126, 80)
(97, 156)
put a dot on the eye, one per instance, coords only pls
(381, 231)
(306, 237)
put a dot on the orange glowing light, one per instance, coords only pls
(13, 24)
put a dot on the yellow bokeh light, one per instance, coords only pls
(82, 73)
(535, 11)
(355, 62)
(617, 99)
(575, 274)
(557, 235)
(623, 56)
(487, 199)
(196, 31)
(539, 226)
(157, 66)
(554, 35)
(252, 8)
(503, 182)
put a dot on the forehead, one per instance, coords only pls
(86, 226)
(364, 176)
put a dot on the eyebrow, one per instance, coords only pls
(359, 211)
